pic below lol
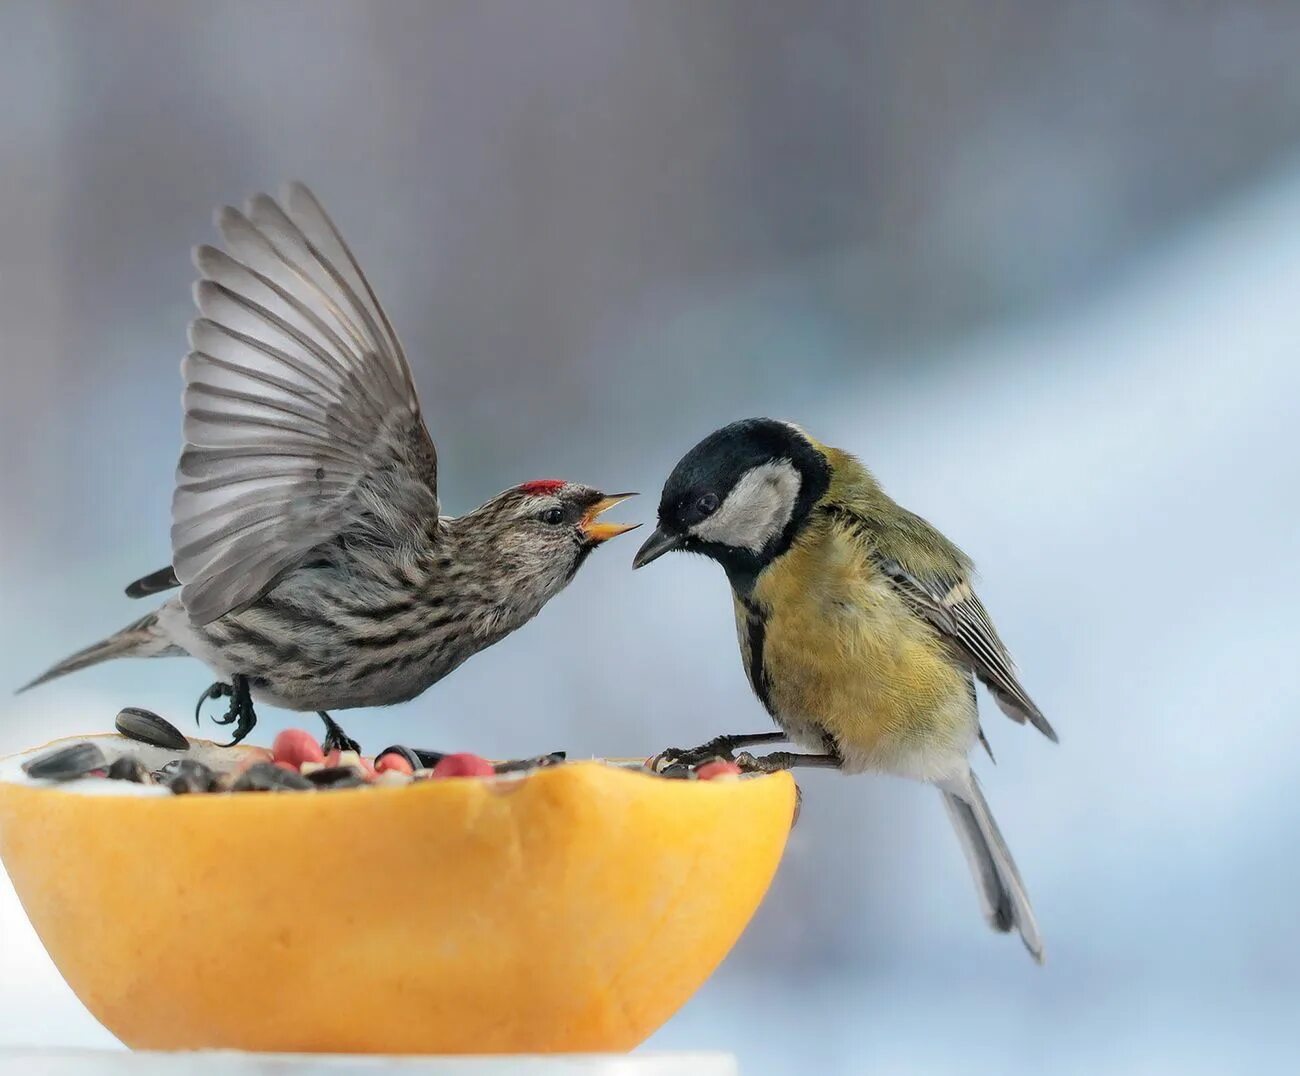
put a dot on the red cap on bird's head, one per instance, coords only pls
(542, 485)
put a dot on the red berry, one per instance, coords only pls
(463, 765)
(393, 761)
(285, 764)
(717, 768)
(296, 746)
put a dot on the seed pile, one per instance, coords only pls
(296, 762)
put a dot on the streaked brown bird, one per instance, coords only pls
(315, 569)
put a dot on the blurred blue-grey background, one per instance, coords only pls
(1038, 263)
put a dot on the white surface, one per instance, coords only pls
(112, 1063)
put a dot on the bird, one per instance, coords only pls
(859, 629)
(315, 569)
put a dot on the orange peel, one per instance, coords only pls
(574, 908)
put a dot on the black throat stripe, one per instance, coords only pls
(756, 634)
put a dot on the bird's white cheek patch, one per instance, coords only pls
(756, 510)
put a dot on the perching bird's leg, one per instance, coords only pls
(718, 747)
(335, 737)
(785, 760)
(240, 714)
(241, 710)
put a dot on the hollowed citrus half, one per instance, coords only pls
(572, 909)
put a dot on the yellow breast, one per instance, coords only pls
(843, 657)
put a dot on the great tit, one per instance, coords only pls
(858, 627)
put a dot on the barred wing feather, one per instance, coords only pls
(301, 417)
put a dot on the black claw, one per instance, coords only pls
(216, 691)
(335, 738)
(720, 747)
(339, 743)
(241, 712)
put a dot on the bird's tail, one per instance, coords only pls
(141, 639)
(1002, 893)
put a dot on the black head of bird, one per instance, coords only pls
(739, 496)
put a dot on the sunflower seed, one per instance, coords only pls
(129, 768)
(540, 762)
(268, 777)
(676, 770)
(66, 763)
(147, 727)
(185, 775)
(336, 777)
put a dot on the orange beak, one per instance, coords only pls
(602, 532)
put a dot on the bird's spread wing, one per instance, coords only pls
(941, 592)
(301, 417)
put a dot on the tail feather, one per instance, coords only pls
(1002, 893)
(139, 639)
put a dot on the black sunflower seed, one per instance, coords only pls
(541, 761)
(268, 777)
(129, 768)
(66, 763)
(147, 727)
(336, 777)
(185, 775)
(676, 770)
(427, 759)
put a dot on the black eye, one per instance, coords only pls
(552, 516)
(707, 505)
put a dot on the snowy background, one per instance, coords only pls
(1037, 263)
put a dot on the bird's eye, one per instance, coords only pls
(552, 516)
(707, 505)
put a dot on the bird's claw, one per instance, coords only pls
(216, 691)
(341, 742)
(240, 714)
(720, 747)
(335, 738)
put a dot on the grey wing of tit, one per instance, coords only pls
(301, 417)
(940, 591)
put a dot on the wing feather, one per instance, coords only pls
(300, 409)
(937, 586)
(949, 603)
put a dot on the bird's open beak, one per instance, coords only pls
(656, 546)
(602, 532)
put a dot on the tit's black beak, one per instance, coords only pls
(659, 543)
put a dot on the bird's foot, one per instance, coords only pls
(784, 760)
(722, 747)
(216, 691)
(241, 713)
(335, 738)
